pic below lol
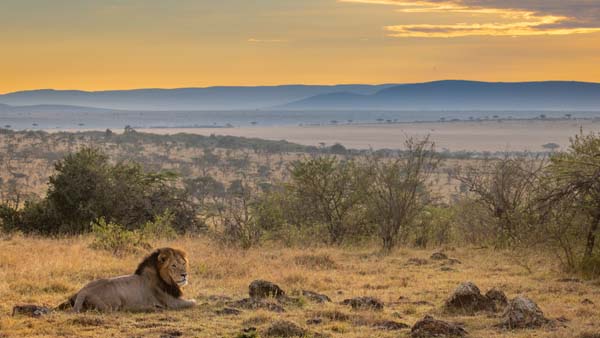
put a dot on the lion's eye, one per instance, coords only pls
(173, 266)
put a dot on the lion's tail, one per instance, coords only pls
(68, 304)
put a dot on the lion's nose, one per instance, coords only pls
(184, 275)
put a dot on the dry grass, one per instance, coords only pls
(46, 271)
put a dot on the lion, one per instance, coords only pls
(155, 284)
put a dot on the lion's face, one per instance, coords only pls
(173, 266)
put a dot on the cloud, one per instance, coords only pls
(519, 17)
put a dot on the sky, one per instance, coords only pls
(122, 44)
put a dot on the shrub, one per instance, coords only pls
(116, 239)
(86, 187)
(160, 228)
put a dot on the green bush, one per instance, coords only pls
(86, 186)
(116, 239)
(160, 228)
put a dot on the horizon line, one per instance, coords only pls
(284, 85)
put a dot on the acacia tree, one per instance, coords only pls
(574, 176)
(398, 191)
(506, 189)
(330, 189)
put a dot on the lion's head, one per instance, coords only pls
(170, 266)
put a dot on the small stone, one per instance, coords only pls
(438, 256)
(285, 329)
(316, 297)
(364, 303)
(429, 327)
(30, 310)
(264, 289)
(391, 325)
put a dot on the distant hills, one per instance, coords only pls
(464, 95)
(211, 98)
(438, 95)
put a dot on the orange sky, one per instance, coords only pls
(118, 44)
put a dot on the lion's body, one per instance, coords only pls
(155, 284)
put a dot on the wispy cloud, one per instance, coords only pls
(519, 17)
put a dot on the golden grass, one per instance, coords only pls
(47, 271)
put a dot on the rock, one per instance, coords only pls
(255, 303)
(498, 297)
(391, 325)
(587, 301)
(316, 297)
(171, 334)
(228, 311)
(417, 261)
(283, 328)
(264, 289)
(364, 303)
(248, 332)
(314, 321)
(438, 256)
(429, 327)
(467, 299)
(30, 310)
(452, 261)
(523, 313)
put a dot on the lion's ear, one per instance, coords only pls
(162, 255)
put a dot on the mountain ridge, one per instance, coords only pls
(434, 95)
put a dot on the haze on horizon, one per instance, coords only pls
(120, 44)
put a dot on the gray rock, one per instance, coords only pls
(498, 297)
(467, 299)
(523, 313)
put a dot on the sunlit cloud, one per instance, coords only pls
(519, 18)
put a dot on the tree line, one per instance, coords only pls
(511, 202)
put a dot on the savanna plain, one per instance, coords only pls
(231, 181)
